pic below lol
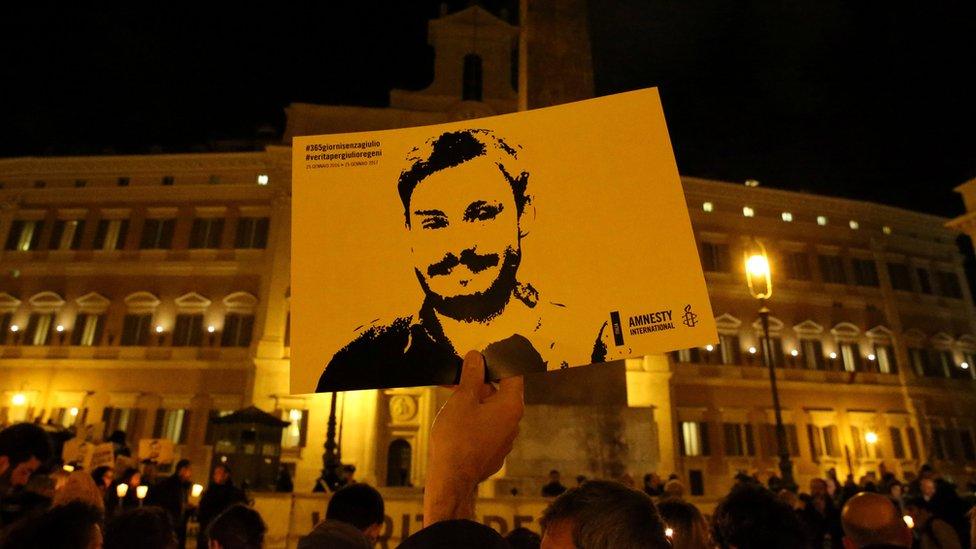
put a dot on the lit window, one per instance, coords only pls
(694, 438)
(293, 436)
(854, 225)
(821, 220)
(787, 217)
(886, 229)
(707, 206)
(748, 212)
(263, 179)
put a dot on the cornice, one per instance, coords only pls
(71, 166)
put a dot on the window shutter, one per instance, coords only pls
(166, 234)
(13, 236)
(55, 242)
(36, 237)
(158, 424)
(261, 233)
(303, 429)
(79, 328)
(681, 438)
(185, 427)
(246, 329)
(703, 433)
(228, 337)
(149, 228)
(123, 232)
(76, 237)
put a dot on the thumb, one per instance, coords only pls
(472, 373)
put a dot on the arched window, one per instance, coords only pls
(398, 460)
(471, 90)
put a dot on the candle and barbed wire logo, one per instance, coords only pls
(689, 318)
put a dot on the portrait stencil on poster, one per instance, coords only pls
(545, 239)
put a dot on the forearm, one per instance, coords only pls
(448, 499)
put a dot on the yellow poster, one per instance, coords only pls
(545, 239)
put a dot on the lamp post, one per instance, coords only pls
(759, 279)
(331, 459)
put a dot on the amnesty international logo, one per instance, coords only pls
(689, 319)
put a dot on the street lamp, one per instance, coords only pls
(760, 281)
(871, 437)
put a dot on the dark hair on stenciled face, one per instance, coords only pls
(451, 149)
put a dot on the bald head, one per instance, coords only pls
(870, 519)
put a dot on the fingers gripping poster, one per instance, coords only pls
(545, 239)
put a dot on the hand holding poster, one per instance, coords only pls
(544, 239)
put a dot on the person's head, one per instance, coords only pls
(602, 515)
(132, 477)
(103, 477)
(465, 202)
(523, 538)
(23, 448)
(72, 526)
(117, 437)
(818, 487)
(688, 527)
(789, 498)
(580, 479)
(870, 519)
(554, 476)
(349, 471)
(238, 527)
(896, 489)
(359, 505)
(674, 489)
(80, 486)
(221, 473)
(184, 470)
(752, 517)
(927, 487)
(145, 527)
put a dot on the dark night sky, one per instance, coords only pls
(861, 99)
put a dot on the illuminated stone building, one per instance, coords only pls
(149, 293)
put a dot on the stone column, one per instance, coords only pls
(649, 385)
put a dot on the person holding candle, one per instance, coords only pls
(172, 494)
(220, 495)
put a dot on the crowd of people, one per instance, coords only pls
(45, 505)
(470, 438)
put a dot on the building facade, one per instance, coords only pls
(150, 293)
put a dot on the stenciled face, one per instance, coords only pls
(463, 226)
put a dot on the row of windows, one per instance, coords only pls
(833, 269)
(788, 217)
(173, 424)
(739, 440)
(809, 354)
(166, 180)
(157, 234)
(137, 329)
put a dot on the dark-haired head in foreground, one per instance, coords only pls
(688, 526)
(23, 448)
(353, 519)
(143, 527)
(360, 505)
(602, 515)
(751, 517)
(73, 525)
(871, 520)
(238, 527)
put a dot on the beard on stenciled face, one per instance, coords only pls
(464, 235)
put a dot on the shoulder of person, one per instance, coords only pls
(456, 533)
